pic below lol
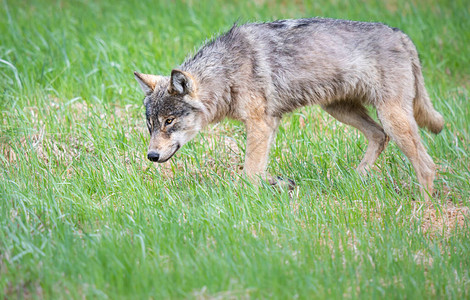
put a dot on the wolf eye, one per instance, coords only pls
(169, 121)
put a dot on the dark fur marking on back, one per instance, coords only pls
(277, 24)
(302, 24)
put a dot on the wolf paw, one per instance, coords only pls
(282, 183)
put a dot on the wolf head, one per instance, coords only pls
(173, 111)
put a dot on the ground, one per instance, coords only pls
(84, 214)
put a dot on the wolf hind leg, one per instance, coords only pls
(400, 124)
(356, 115)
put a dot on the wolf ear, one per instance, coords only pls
(181, 83)
(147, 82)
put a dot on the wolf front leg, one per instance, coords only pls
(260, 135)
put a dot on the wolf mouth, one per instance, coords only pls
(166, 159)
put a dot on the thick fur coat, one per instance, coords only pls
(257, 72)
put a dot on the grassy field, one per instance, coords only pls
(83, 214)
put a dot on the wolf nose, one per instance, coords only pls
(153, 156)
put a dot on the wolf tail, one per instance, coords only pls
(423, 111)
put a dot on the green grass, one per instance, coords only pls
(84, 214)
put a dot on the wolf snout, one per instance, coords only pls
(153, 156)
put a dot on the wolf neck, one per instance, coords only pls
(212, 91)
(210, 69)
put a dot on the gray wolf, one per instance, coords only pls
(257, 72)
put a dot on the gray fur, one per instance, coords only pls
(257, 72)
